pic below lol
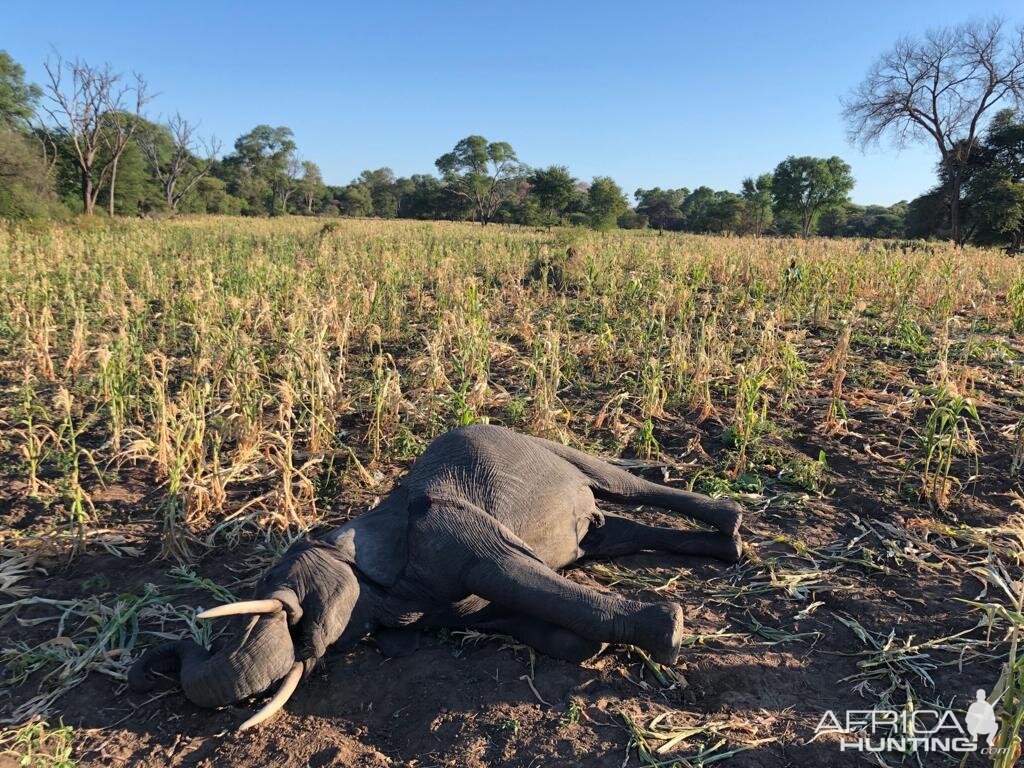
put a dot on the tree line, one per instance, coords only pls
(82, 142)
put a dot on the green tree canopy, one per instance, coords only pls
(554, 189)
(705, 210)
(994, 197)
(259, 168)
(355, 200)
(661, 207)
(805, 186)
(427, 198)
(383, 190)
(605, 203)
(482, 172)
(697, 209)
(26, 185)
(17, 98)
(138, 190)
(926, 215)
(757, 194)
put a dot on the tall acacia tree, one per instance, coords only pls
(481, 172)
(939, 89)
(806, 186)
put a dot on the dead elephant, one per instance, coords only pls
(472, 537)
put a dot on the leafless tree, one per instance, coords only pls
(88, 105)
(184, 163)
(939, 89)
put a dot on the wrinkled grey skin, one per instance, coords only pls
(471, 537)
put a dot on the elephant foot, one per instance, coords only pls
(730, 517)
(661, 629)
(728, 550)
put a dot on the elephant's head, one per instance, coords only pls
(307, 601)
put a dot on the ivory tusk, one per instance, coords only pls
(291, 682)
(242, 608)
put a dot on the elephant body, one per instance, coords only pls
(472, 536)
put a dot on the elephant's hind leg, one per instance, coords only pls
(615, 484)
(623, 536)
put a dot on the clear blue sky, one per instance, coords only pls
(652, 94)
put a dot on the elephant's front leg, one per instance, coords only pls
(498, 567)
(524, 584)
(543, 636)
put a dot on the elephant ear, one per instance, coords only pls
(377, 544)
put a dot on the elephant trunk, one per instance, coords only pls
(247, 664)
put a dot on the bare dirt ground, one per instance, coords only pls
(775, 644)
